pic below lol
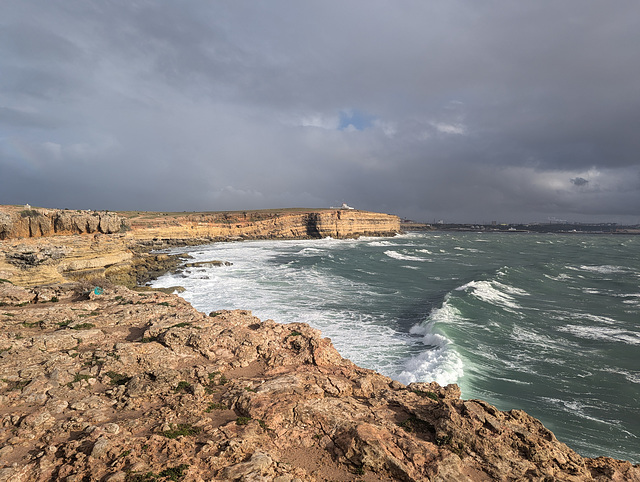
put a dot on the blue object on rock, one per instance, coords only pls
(97, 290)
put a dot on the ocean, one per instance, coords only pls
(546, 323)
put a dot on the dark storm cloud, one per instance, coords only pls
(466, 111)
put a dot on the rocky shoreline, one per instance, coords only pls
(99, 382)
(128, 386)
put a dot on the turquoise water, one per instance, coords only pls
(544, 323)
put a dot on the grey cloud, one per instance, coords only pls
(579, 181)
(478, 110)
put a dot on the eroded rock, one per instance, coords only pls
(124, 384)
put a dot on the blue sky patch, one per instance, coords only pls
(358, 119)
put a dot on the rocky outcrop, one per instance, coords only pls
(58, 259)
(126, 386)
(32, 223)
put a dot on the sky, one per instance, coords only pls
(461, 111)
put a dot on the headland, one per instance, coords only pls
(101, 382)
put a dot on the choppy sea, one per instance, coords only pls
(546, 323)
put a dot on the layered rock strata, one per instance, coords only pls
(336, 223)
(54, 246)
(126, 386)
(32, 223)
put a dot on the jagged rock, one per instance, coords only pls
(27, 257)
(100, 448)
(156, 389)
(110, 223)
(255, 469)
(31, 223)
(14, 295)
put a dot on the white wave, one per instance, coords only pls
(471, 250)
(511, 380)
(522, 335)
(593, 318)
(635, 301)
(591, 291)
(446, 315)
(579, 409)
(602, 333)
(495, 293)
(426, 251)
(382, 243)
(441, 365)
(603, 269)
(403, 257)
(633, 377)
(560, 277)
(310, 251)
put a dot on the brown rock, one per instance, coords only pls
(155, 387)
(14, 295)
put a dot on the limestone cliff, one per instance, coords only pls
(53, 246)
(336, 223)
(123, 386)
(30, 223)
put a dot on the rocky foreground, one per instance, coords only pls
(110, 384)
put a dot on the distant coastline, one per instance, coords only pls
(566, 228)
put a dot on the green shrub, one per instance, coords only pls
(430, 395)
(184, 324)
(174, 474)
(183, 387)
(83, 326)
(118, 378)
(17, 385)
(77, 378)
(216, 406)
(180, 430)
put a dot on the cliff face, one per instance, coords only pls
(36, 246)
(338, 223)
(126, 386)
(58, 259)
(295, 225)
(30, 223)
